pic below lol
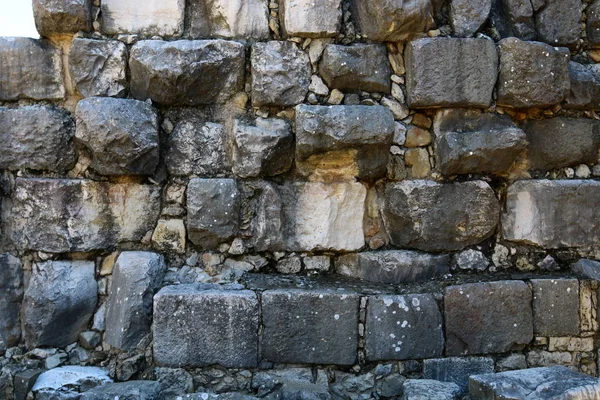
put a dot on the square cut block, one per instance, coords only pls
(556, 307)
(147, 18)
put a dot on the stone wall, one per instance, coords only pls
(299, 197)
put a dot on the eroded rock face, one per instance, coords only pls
(237, 19)
(305, 18)
(11, 294)
(62, 16)
(154, 18)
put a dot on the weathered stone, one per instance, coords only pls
(561, 142)
(169, 235)
(24, 382)
(355, 68)
(471, 142)
(263, 147)
(417, 137)
(472, 260)
(174, 381)
(280, 74)
(11, 294)
(132, 390)
(417, 389)
(154, 18)
(36, 137)
(310, 326)
(392, 20)
(514, 18)
(558, 22)
(553, 214)
(197, 148)
(467, 16)
(543, 358)
(450, 72)
(431, 216)
(213, 211)
(58, 303)
(393, 266)
(121, 135)
(535, 384)
(97, 67)
(323, 216)
(194, 327)
(238, 19)
(418, 160)
(305, 18)
(62, 16)
(457, 370)
(62, 215)
(555, 307)
(291, 383)
(570, 344)
(511, 362)
(90, 339)
(343, 141)
(403, 327)
(519, 87)
(137, 275)
(593, 24)
(66, 383)
(266, 226)
(587, 268)
(585, 87)
(489, 317)
(31, 69)
(186, 72)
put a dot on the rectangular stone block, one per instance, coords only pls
(457, 369)
(62, 16)
(306, 18)
(310, 326)
(585, 86)
(555, 307)
(151, 18)
(196, 326)
(235, 19)
(11, 294)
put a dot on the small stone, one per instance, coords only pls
(418, 159)
(457, 369)
(57, 16)
(289, 265)
(317, 263)
(398, 110)
(417, 137)
(317, 86)
(56, 360)
(169, 235)
(471, 260)
(336, 97)
(90, 339)
(415, 389)
(399, 134)
(467, 16)
(583, 171)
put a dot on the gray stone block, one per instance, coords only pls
(11, 295)
(558, 22)
(417, 389)
(238, 19)
(291, 383)
(457, 369)
(489, 317)
(121, 135)
(163, 18)
(186, 72)
(467, 16)
(514, 18)
(24, 382)
(555, 307)
(36, 137)
(585, 87)
(587, 268)
(59, 302)
(305, 18)
(132, 390)
(593, 24)
(195, 327)
(431, 216)
(450, 72)
(310, 326)
(62, 16)
(403, 327)
(137, 275)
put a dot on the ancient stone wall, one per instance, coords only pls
(296, 197)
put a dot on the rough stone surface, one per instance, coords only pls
(593, 24)
(587, 268)
(11, 294)
(359, 67)
(98, 67)
(431, 216)
(135, 278)
(186, 72)
(403, 328)
(36, 137)
(558, 22)
(310, 326)
(417, 389)
(120, 135)
(306, 18)
(585, 87)
(58, 303)
(467, 16)
(169, 236)
(457, 369)
(393, 266)
(132, 390)
(189, 326)
(555, 307)
(31, 69)
(291, 383)
(471, 142)
(66, 383)
(62, 16)
(514, 18)
(470, 259)
(532, 74)
(450, 72)
(154, 18)
(552, 214)
(238, 19)
(266, 226)
(490, 317)
(213, 211)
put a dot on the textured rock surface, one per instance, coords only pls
(155, 17)
(120, 135)
(555, 307)
(306, 18)
(190, 322)
(135, 278)
(310, 326)
(31, 69)
(58, 303)
(471, 142)
(360, 67)
(62, 16)
(241, 19)
(186, 72)
(11, 294)
(552, 214)
(587, 268)
(266, 226)
(431, 216)
(66, 382)
(487, 317)
(132, 390)
(514, 18)
(457, 369)
(585, 87)
(558, 22)
(293, 383)
(416, 389)
(36, 137)
(467, 16)
(593, 24)
(393, 266)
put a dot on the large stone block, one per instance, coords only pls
(585, 87)
(553, 214)
(555, 307)
(132, 390)
(467, 16)
(237, 19)
(98, 67)
(488, 317)
(310, 326)
(280, 74)
(392, 20)
(558, 22)
(360, 67)
(532, 74)
(11, 294)
(514, 18)
(186, 72)
(62, 16)
(31, 69)
(306, 18)
(405, 327)
(152, 18)
(589, 269)
(450, 72)
(432, 216)
(62, 215)
(457, 369)
(471, 142)
(36, 137)
(194, 327)
(393, 266)
(266, 224)
(121, 135)
(135, 278)
(343, 141)
(59, 302)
